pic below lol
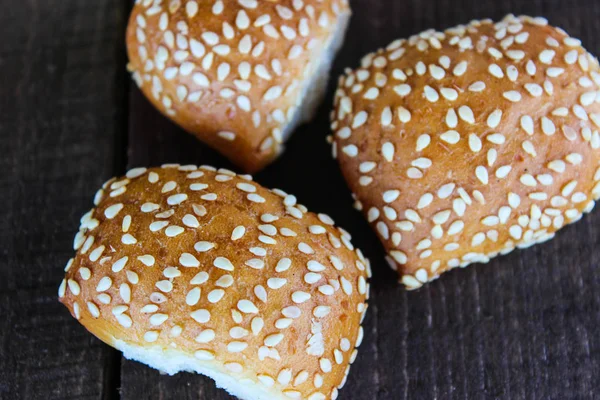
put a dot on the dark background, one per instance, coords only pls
(525, 326)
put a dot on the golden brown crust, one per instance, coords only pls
(464, 144)
(231, 72)
(213, 264)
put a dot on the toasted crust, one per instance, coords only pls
(233, 73)
(464, 144)
(215, 266)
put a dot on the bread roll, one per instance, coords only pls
(240, 75)
(464, 144)
(194, 269)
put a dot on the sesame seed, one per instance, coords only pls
(387, 150)
(197, 48)
(545, 179)
(74, 287)
(512, 95)
(403, 114)
(423, 244)
(236, 347)
(255, 263)
(414, 173)
(423, 141)
(431, 94)
(255, 198)
(548, 126)
(446, 190)
(497, 54)
(325, 365)
(449, 94)
(516, 55)
(132, 277)
(198, 186)
(580, 112)
(125, 292)
(425, 200)
(460, 68)
(359, 119)
(273, 340)
(104, 284)
(215, 295)
(496, 71)
(350, 150)
(321, 311)
(122, 319)
(451, 118)
(503, 171)
(96, 253)
(474, 143)
(382, 229)
(554, 72)
(283, 265)
(490, 220)
(436, 72)
(149, 207)
(411, 282)
(305, 248)
(173, 230)
(238, 232)
(390, 195)
(456, 227)
(451, 247)
(188, 260)
(496, 138)
(164, 286)
(534, 89)
(571, 57)
(587, 98)
(478, 86)
(201, 316)
(482, 174)
(528, 180)
(177, 199)
(451, 137)
(540, 196)
(247, 307)
(527, 124)
(85, 273)
(530, 68)
(546, 56)
(327, 290)
(191, 8)
(223, 263)
(386, 117)
(399, 256)
(276, 283)
(399, 75)
(574, 158)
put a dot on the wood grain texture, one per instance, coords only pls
(524, 326)
(61, 75)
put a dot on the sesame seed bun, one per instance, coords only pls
(240, 75)
(464, 144)
(194, 269)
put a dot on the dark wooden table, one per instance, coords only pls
(525, 326)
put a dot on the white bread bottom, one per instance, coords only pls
(315, 86)
(172, 361)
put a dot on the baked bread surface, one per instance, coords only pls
(464, 144)
(207, 271)
(238, 74)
